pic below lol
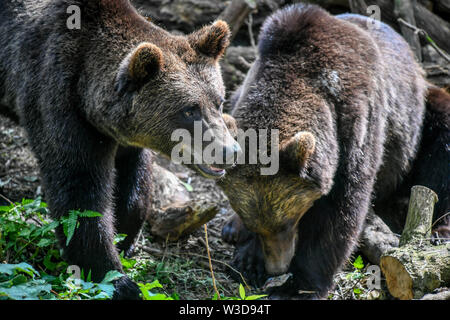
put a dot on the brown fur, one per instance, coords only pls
(359, 93)
(92, 100)
(212, 42)
(146, 61)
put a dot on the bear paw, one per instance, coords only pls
(249, 261)
(126, 289)
(234, 232)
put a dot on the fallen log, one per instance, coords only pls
(174, 210)
(417, 267)
(376, 238)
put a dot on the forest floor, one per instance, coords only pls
(182, 267)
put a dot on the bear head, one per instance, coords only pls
(171, 87)
(272, 205)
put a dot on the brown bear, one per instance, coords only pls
(93, 98)
(348, 101)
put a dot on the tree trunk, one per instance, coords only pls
(437, 28)
(236, 13)
(417, 267)
(405, 9)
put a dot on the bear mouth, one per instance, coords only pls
(210, 171)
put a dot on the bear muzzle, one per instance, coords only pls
(279, 249)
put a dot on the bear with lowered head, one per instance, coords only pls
(348, 100)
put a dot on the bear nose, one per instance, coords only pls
(231, 154)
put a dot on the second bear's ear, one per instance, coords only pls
(298, 149)
(140, 66)
(211, 40)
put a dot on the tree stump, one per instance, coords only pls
(417, 267)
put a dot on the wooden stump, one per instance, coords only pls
(417, 267)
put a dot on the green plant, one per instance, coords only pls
(148, 295)
(26, 234)
(70, 222)
(242, 295)
(22, 282)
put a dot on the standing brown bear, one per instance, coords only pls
(92, 98)
(348, 100)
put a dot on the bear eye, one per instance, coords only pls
(189, 112)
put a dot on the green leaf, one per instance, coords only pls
(256, 297)
(241, 291)
(175, 296)
(44, 242)
(188, 187)
(106, 288)
(4, 209)
(26, 291)
(154, 284)
(127, 263)
(358, 264)
(119, 237)
(48, 262)
(48, 227)
(89, 214)
(159, 296)
(111, 276)
(19, 279)
(11, 269)
(69, 225)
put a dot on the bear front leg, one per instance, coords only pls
(83, 180)
(234, 231)
(327, 235)
(132, 194)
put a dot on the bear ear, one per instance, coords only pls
(298, 149)
(211, 40)
(140, 66)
